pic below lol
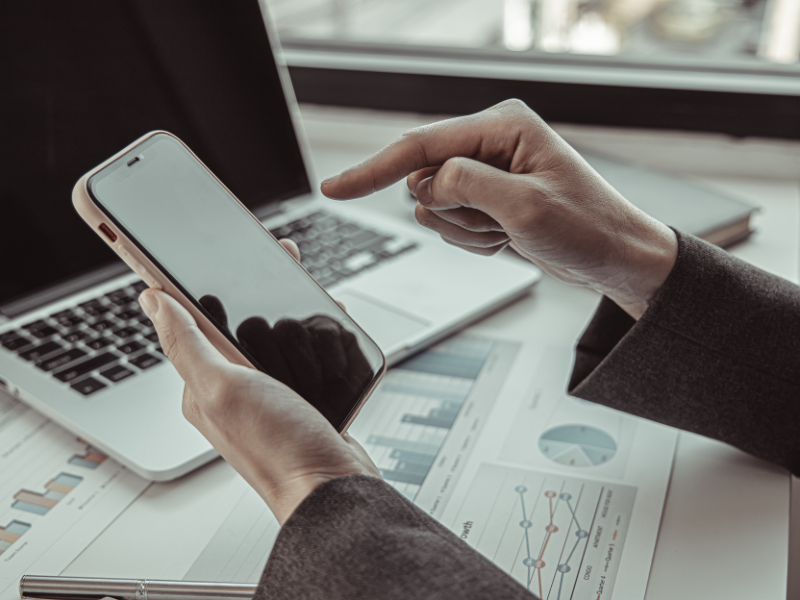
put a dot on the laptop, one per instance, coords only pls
(84, 80)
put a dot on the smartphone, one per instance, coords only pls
(181, 230)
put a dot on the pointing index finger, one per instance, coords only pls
(426, 146)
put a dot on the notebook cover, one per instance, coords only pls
(679, 203)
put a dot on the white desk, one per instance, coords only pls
(724, 532)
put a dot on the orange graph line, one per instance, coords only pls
(541, 595)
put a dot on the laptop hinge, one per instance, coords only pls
(36, 300)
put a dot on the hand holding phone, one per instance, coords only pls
(270, 360)
(280, 444)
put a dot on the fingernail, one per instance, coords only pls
(329, 180)
(149, 303)
(423, 191)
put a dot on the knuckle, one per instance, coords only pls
(517, 111)
(493, 242)
(477, 222)
(452, 173)
(514, 105)
(416, 139)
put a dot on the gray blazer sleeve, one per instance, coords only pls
(356, 538)
(716, 353)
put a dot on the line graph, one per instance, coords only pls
(561, 537)
(535, 565)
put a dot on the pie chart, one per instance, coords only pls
(577, 445)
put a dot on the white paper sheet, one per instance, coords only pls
(56, 495)
(474, 429)
(603, 473)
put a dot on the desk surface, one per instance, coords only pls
(724, 532)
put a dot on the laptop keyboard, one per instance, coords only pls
(333, 249)
(93, 345)
(109, 339)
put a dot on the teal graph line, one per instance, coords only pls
(580, 534)
(535, 565)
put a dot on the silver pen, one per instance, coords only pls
(79, 588)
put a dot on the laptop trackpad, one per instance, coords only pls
(385, 324)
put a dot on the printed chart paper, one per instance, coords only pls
(419, 427)
(57, 494)
(564, 495)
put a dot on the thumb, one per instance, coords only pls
(195, 358)
(462, 182)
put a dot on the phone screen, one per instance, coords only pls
(224, 261)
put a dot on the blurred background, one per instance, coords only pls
(648, 63)
(747, 33)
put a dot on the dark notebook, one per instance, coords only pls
(681, 204)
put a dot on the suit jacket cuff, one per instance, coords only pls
(716, 353)
(356, 538)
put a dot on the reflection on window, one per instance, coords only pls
(727, 31)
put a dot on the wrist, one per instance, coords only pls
(650, 254)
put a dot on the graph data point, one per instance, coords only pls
(532, 562)
(563, 569)
(565, 496)
(551, 529)
(521, 489)
(582, 533)
(550, 494)
(525, 523)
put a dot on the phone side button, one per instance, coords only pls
(148, 278)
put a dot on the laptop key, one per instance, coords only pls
(85, 367)
(139, 287)
(44, 332)
(153, 337)
(72, 321)
(41, 351)
(117, 373)
(125, 332)
(130, 347)
(35, 325)
(75, 336)
(59, 360)
(145, 361)
(98, 343)
(102, 325)
(94, 308)
(13, 341)
(122, 300)
(88, 386)
(64, 314)
(131, 313)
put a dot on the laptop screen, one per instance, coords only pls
(81, 80)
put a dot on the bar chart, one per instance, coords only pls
(426, 401)
(11, 533)
(91, 459)
(41, 503)
(57, 493)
